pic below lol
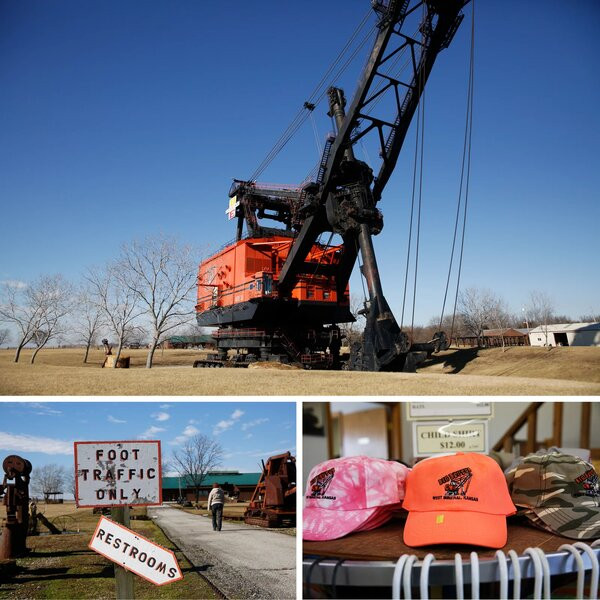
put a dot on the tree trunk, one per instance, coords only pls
(87, 351)
(151, 351)
(18, 351)
(118, 354)
(35, 352)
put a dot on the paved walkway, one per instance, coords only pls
(241, 560)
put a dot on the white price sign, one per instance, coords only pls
(118, 473)
(440, 437)
(135, 553)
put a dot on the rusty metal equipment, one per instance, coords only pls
(273, 502)
(16, 500)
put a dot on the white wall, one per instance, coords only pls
(584, 338)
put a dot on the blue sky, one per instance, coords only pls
(121, 119)
(44, 432)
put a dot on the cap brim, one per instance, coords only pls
(578, 522)
(321, 524)
(455, 527)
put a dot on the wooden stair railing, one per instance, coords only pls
(529, 417)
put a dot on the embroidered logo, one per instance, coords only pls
(456, 485)
(320, 483)
(589, 482)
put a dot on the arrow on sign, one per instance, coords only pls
(135, 553)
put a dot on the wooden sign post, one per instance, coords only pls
(123, 577)
(118, 474)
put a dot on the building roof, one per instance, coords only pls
(508, 332)
(221, 477)
(191, 339)
(559, 327)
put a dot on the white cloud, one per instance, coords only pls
(43, 409)
(150, 432)
(249, 424)
(193, 421)
(14, 283)
(161, 416)
(188, 432)
(31, 443)
(112, 419)
(226, 424)
(248, 436)
(222, 426)
(165, 406)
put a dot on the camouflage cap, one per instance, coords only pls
(561, 490)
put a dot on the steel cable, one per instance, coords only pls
(470, 120)
(315, 97)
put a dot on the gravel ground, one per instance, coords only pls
(240, 560)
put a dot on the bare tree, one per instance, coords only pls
(540, 310)
(89, 319)
(479, 309)
(196, 458)
(4, 336)
(162, 274)
(37, 310)
(70, 483)
(353, 331)
(55, 296)
(48, 480)
(117, 301)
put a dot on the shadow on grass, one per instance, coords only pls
(457, 361)
(50, 574)
(58, 553)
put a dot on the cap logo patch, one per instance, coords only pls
(320, 483)
(456, 485)
(589, 482)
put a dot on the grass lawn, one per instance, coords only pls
(518, 371)
(62, 567)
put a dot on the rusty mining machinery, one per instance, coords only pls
(273, 502)
(16, 500)
(278, 293)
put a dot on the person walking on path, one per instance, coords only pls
(216, 499)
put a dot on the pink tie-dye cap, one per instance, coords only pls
(342, 494)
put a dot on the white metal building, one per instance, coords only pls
(566, 334)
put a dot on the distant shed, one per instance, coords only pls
(493, 338)
(190, 341)
(234, 483)
(566, 334)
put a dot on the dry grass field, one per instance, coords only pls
(518, 371)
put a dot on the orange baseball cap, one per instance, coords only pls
(457, 499)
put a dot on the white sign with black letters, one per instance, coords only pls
(441, 437)
(118, 473)
(135, 553)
